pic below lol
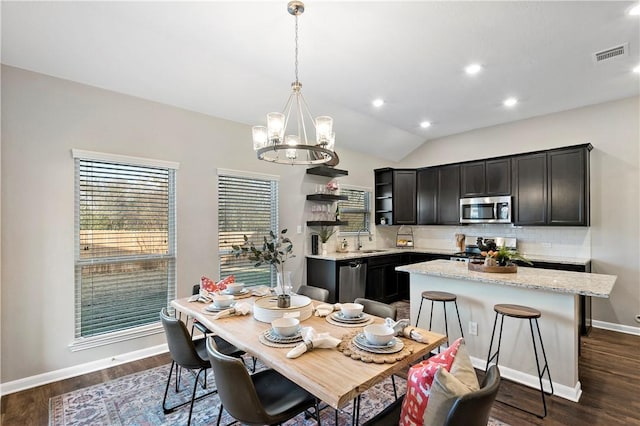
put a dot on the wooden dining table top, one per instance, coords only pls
(326, 373)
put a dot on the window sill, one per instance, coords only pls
(84, 343)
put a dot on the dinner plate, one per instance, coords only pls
(360, 341)
(338, 316)
(274, 337)
(214, 308)
(240, 293)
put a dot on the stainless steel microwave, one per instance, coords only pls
(485, 210)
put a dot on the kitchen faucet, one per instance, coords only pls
(358, 243)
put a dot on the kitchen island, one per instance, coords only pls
(554, 293)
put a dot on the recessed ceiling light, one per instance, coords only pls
(377, 102)
(637, 69)
(425, 124)
(635, 10)
(473, 69)
(509, 102)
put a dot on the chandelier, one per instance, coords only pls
(276, 144)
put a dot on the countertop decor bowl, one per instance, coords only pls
(378, 334)
(265, 309)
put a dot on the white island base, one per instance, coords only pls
(478, 292)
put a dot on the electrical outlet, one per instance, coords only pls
(299, 229)
(473, 328)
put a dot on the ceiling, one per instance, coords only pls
(235, 60)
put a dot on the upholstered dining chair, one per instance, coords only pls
(189, 354)
(262, 398)
(382, 310)
(315, 293)
(471, 409)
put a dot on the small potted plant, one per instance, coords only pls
(325, 233)
(503, 257)
(275, 251)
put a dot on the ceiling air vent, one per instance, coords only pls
(603, 55)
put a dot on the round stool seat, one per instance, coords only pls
(438, 296)
(517, 311)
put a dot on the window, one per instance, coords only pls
(355, 210)
(124, 244)
(247, 205)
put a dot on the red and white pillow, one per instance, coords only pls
(433, 385)
(211, 286)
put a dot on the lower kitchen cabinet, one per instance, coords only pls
(382, 283)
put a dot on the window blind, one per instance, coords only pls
(125, 245)
(246, 206)
(355, 210)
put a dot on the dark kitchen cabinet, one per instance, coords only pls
(382, 280)
(438, 195)
(395, 196)
(568, 197)
(485, 178)
(529, 189)
(552, 187)
(448, 204)
(427, 180)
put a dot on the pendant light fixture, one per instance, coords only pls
(278, 143)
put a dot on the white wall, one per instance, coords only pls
(613, 128)
(43, 119)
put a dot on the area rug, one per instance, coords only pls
(136, 399)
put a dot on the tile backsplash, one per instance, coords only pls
(573, 242)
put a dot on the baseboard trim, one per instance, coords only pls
(563, 391)
(77, 370)
(628, 329)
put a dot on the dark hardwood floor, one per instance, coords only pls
(609, 373)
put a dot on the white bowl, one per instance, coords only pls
(286, 327)
(378, 334)
(223, 300)
(235, 288)
(351, 310)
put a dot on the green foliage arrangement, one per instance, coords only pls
(504, 256)
(325, 233)
(275, 250)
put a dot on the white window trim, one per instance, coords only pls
(123, 159)
(84, 343)
(249, 175)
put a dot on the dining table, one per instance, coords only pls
(334, 376)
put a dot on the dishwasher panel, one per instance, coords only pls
(353, 280)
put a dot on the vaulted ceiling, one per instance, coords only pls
(235, 60)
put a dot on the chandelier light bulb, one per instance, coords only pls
(324, 127)
(259, 137)
(275, 127)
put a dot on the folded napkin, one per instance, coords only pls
(241, 308)
(324, 309)
(261, 290)
(311, 340)
(402, 328)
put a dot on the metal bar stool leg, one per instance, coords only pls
(455, 302)
(446, 324)
(489, 356)
(419, 310)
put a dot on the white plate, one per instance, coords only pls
(395, 345)
(214, 308)
(240, 293)
(337, 316)
(274, 337)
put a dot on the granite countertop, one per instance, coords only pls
(586, 284)
(448, 252)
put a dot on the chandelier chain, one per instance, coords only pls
(296, 62)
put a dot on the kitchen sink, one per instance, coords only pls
(372, 251)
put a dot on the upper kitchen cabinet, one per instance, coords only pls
(485, 178)
(568, 198)
(439, 195)
(552, 187)
(448, 204)
(395, 196)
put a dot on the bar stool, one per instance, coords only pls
(444, 297)
(522, 312)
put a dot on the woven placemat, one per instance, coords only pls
(269, 343)
(342, 324)
(348, 348)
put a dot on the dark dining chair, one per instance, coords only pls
(315, 293)
(189, 354)
(382, 310)
(472, 409)
(263, 398)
